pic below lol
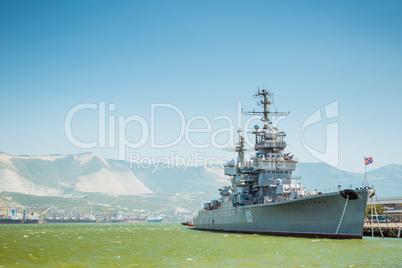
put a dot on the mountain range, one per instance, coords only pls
(71, 175)
(88, 174)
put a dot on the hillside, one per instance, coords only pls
(72, 175)
(167, 204)
(387, 180)
(88, 174)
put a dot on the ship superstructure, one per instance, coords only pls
(265, 197)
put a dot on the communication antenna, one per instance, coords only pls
(266, 99)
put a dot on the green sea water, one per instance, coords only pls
(171, 244)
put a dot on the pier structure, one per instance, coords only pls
(392, 229)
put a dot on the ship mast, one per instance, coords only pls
(265, 102)
(240, 150)
(266, 99)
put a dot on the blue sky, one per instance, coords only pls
(202, 57)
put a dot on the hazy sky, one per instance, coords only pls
(201, 58)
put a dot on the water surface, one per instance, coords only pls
(168, 244)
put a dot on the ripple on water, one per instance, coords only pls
(95, 245)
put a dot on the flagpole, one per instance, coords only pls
(372, 199)
(367, 161)
(365, 170)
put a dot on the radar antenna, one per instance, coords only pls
(266, 99)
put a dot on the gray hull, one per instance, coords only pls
(325, 215)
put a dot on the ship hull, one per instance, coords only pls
(326, 215)
(156, 220)
(69, 221)
(10, 221)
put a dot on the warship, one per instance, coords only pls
(264, 196)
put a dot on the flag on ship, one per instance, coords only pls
(368, 160)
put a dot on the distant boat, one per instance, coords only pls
(34, 220)
(58, 220)
(117, 220)
(188, 223)
(135, 220)
(10, 220)
(17, 220)
(155, 220)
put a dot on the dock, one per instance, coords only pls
(388, 229)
